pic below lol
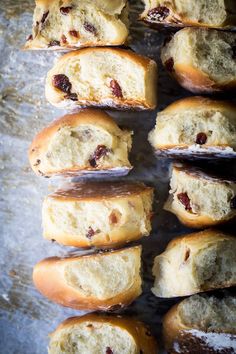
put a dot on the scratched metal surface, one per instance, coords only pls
(26, 317)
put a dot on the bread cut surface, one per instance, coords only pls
(200, 199)
(97, 281)
(202, 13)
(101, 214)
(201, 324)
(201, 60)
(99, 334)
(78, 23)
(195, 263)
(196, 126)
(87, 141)
(105, 77)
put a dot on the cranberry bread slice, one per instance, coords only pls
(79, 23)
(200, 199)
(100, 214)
(195, 263)
(201, 60)
(196, 126)
(105, 77)
(102, 334)
(201, 324)
(85, 142)
(97, 281)
(201, 13)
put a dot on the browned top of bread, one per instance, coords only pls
(128, 54)
(199, 238)
(100, 190)
(198, 102)
(139, 331)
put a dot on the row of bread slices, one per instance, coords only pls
(109, 214)
(66, 24)
(90, 140)
(201, 61)
(198, 324)
(111, 280)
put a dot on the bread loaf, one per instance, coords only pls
(102, 77)
(201, 60)
(100, 214)
(102, 334)
(100, 281)
(200, 199)
(202, 13)
(201, 325)
(78, 23)
(85, 142)
(195, 263)
(196, 127)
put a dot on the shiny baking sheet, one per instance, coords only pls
(26, 317)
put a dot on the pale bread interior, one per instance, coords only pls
(92, 72)
(181, 127)
(186, 269)
(208, 51)
(208, 197)
(92, 338)
(109, 21)
(105, 276)
(76, 146)
(209, 314)
(75, 218)
(205, 12)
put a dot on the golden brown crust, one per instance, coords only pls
(48, 277)
(91, 191)
(199, 238)
(139, 331)
(200, 102)
(136, 58)
(197, 81)
(39, 145)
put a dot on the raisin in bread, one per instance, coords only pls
(202, 60)
(195, 263)
(78, 23)
(102, 334)
(100, 281)
(85, 142)
(200, 199)
(201, 325)
(196, 126)
(108, 77)
(100, 214)
(203, 13)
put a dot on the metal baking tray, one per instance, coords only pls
(26, 317)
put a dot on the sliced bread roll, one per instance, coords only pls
(195, 263)
(196, 126)
(100, 214)
(203, 13)
(201, 60)
(102, 334)
(79, 23)
(200, 199)
(102, 77)
(99, 281)
(201, 325)
(85, 142)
